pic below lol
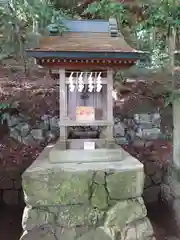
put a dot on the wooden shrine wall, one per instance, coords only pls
(97, 100)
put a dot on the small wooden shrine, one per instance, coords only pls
(84, 58)
(87, 186)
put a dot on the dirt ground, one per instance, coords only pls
(10, 222)
(163, 222)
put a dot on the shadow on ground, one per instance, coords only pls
(10, 222)
(163, 221)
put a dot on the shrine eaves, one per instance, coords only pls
(85, 44)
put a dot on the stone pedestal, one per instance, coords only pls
(84, 201)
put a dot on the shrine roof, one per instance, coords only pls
(86, 38)
(96, 26)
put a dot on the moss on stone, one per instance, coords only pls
(79, 215)
(96, 234)
(124, 212)
(57, 188)
(139, 230)
(122, 185)
(64, 216)
(99, 197)
(99, 177)
(33, 218)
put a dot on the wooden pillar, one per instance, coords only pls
(110, 103)
(62, 103)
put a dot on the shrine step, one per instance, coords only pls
(81, 155)
(79, 143)
(56, 155)
(98, 123)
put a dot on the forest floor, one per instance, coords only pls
(32, 96)
(163, 222)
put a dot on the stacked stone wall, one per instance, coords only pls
(11, 187)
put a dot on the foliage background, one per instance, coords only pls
(151, 26)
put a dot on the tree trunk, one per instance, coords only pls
(171, 50)
(153, 37)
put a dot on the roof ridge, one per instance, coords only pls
(86, 20)
(113, 27)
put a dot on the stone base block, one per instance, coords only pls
(99, 183)
(125, 220)
(85, 200)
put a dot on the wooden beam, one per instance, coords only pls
(86, 65)
(107, 132)
(62, 103)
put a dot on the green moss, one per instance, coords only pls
(124, 212)
(57, 188)
(79, 215)
(122, 185)
(99, 197)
